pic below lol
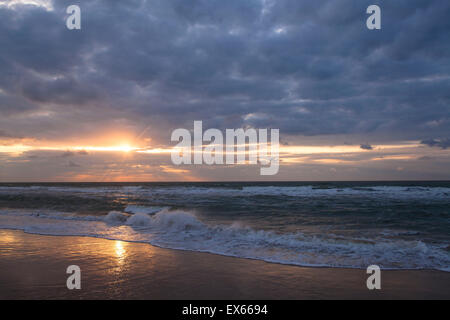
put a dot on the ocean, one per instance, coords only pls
(395, 225)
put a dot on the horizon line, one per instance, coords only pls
(224, 181)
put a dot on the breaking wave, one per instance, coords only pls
(183, 230)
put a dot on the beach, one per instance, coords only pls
(224, 150)
(34, 267)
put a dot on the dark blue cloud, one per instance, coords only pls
(366, 147)
(441, 143)
(306, 67)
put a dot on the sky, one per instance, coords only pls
(100, 103)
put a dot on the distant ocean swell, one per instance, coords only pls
(294, 191)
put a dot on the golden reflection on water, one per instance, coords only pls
(120, 251)
(8, 238)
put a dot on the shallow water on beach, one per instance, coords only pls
(34, 267)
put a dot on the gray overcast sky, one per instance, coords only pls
(139, 69)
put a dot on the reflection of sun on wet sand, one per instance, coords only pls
(120, 251)
(34, 266)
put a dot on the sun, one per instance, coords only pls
(125, 148)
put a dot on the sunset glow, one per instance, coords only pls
(89, 106)
(120, 148)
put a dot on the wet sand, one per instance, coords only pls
(34, 267)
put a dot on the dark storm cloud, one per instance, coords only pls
(69, 153)
(366, 147)
(4, 134)
(306, 67)
(72, 164)
(440, 143)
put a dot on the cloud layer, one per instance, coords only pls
(309, 68)
(306, 68)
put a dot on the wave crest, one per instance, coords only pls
(184, 230)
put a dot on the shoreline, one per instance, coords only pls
(34, 267)
(224, 255)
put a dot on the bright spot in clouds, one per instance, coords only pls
(47, 4)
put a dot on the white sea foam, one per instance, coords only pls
(139, 220)
(142, 209)
(116, 217)
(183, 230)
